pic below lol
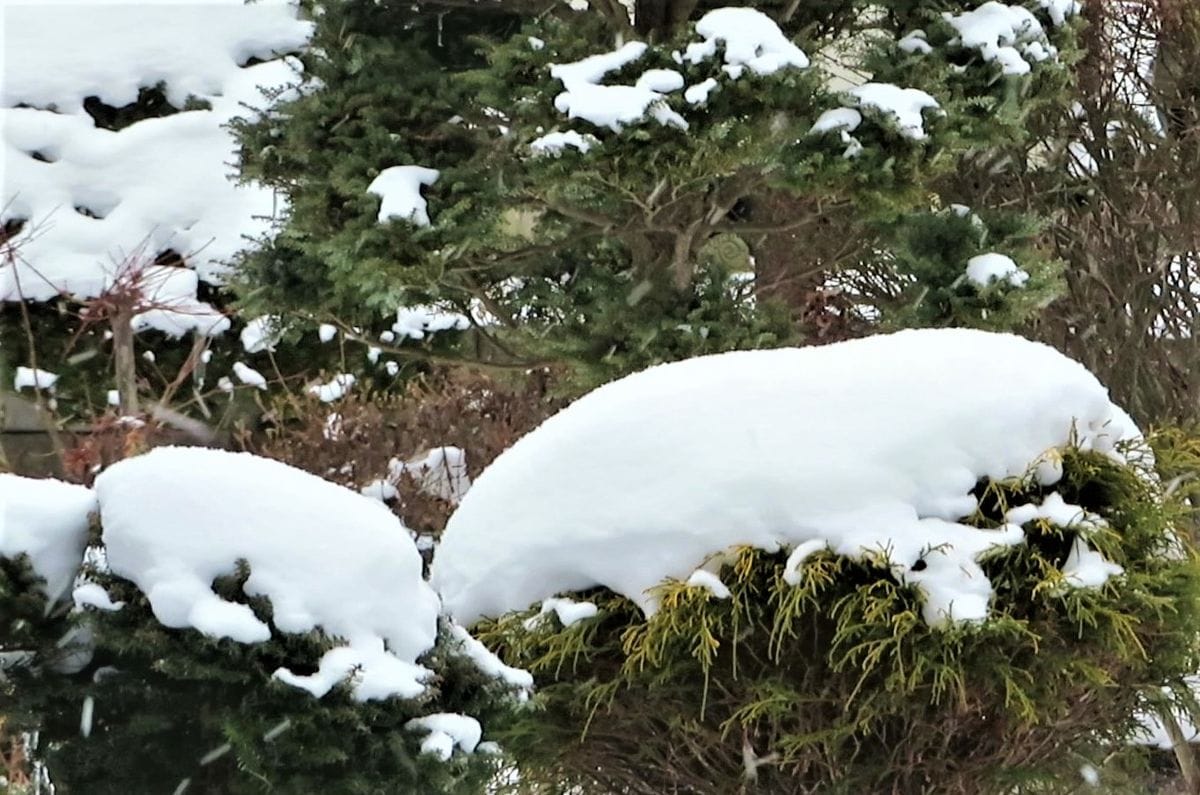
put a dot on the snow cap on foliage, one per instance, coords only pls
(554, 143)
(614, 107)
(399, 188)
(751, 39)
(868, 447)
(177, 518)
(48, 521)
(985, 269)
(90, 197)
(445, 731)
(904, 105)
(1004, 34)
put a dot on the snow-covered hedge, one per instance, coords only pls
(928, 561)
(234, 621)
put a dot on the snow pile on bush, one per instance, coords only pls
(47, 520)
(869, 447)
(92, 197)
(177, 518)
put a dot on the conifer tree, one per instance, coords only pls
(609, 241)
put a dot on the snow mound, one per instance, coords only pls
(868, 447)
(48, 521)
(177, 518)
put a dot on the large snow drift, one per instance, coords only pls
(868, 446)
(176, 518)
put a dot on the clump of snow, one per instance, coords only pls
(249, 376)
(48, 521)
(1003, 33)
(169, 303)
(583, 96)
(663, 81)
(261, 334)
(335, 389)
(616, 106)
(843, 121)
(915, 42)
(491, 665)
(698, 94)
(790, 446)
(751, 38)
(1084, 566)
(399, 188)
(91, 594)
(710, 582)
(447, 730)
(33, 378)
(326, 332)
(177, 518)
(985, 269)
(904, 105)
(594, 68)
(416, 322)
(441, 472)
(555, 142)
(1060, 10)
(536, 44)
(159, 184)
(568, 611)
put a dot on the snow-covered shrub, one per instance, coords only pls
(235, 623)
(934, 561)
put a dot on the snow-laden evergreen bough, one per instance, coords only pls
(928, 561)
(235, 621)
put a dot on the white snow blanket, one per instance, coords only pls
(177, 518)
(865, 447)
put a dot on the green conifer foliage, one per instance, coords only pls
(837, 685)
(601, 258)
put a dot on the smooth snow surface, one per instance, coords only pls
(399, 187)
(869, 447)
(48, 521)
(985, 269)
(176, 518)
(93, 197)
